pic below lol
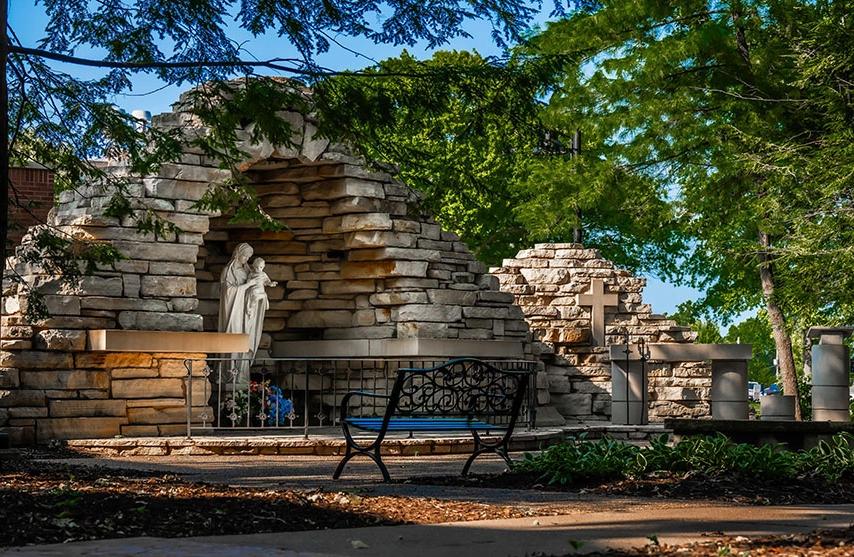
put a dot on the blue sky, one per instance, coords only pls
(29, 22)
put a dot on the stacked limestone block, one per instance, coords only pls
(545, 282)
(357, 260)
(61, 391)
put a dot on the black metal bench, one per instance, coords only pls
(465, 394)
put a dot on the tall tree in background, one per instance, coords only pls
(706, 97)
(462, 141)
(494, 164)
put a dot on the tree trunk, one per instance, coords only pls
(578, 230)
(4, 140)
(782, 340)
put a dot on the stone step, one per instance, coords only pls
(329, 441)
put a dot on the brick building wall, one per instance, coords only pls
(30, 199)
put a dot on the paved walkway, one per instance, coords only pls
(313, 472)
(295, 471)
(496, 538)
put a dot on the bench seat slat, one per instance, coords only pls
(419, 424)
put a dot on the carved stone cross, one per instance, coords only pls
(597, 299)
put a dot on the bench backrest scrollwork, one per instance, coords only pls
(464, 387)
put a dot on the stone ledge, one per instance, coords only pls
(673, 352)
(249, 446)
(328, 445)
(117, 340)
(402, 348)
(696, 427)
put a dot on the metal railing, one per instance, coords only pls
(300, 394)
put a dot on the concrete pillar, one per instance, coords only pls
(729, 390)
(777, 408)
(635, 409)
(830, 365)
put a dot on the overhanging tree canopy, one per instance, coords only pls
(496, 162)
(56, 119)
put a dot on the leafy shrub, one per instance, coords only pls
(718, 455)
(606, 459)
(581, 460)
(831, 460)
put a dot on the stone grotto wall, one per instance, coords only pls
(546, 282)
(356, 260)
(62, 391)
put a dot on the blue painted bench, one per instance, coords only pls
(464, 394)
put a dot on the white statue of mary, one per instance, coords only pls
(234, 287)
(243, 300)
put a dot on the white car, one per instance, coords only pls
(754, 390)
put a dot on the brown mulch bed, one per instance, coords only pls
(49, 503)
(693, 486)
(826, 543)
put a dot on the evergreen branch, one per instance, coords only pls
(746, 97)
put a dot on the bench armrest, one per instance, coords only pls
(367, 393)
(351, 394)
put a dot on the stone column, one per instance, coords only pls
(633, 410)
(830, 365)
(729, 390)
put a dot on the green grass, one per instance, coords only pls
(582, 460)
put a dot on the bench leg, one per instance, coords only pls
(474, 455)
(502, 452)
(347, 456)
(377, 457)
(480, 448)
(373, 455)
(372, 451)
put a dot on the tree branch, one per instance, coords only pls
(273, 64)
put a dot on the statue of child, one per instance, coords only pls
(256, 297)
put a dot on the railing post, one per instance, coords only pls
(305, 403)
(532, 398)
(189, 394)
